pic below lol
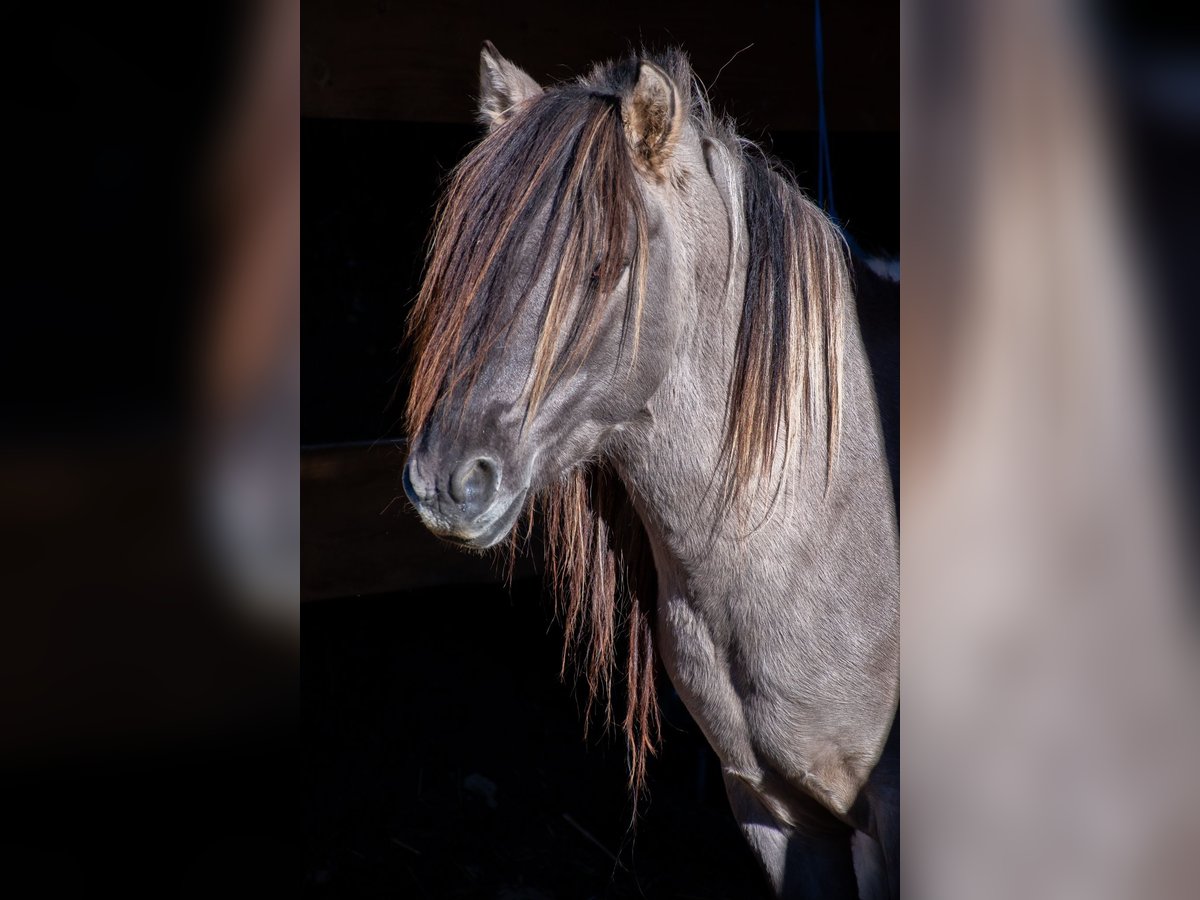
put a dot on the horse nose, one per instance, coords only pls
(452, 498)
(473, 484)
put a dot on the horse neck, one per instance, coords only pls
(672, 463)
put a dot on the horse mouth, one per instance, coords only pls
(491, 533)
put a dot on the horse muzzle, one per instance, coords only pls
(464, 502)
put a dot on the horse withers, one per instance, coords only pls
(633, 317)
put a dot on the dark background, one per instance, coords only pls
(443, 756)
(147, 737)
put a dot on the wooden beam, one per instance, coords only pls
(360, 536)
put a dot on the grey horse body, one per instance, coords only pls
(778, 622)
(779, 631)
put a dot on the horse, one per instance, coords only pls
(633, 318)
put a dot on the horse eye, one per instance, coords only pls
(599, 268)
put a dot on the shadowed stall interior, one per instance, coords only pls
(443, 756)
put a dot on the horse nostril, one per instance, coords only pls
(409, 490)
(474, 484)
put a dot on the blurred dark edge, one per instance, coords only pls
(147, 727)
(1150, 65)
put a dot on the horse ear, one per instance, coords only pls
(502, 86)
(653, 116)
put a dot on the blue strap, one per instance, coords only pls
(824, 169)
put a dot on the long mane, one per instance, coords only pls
(564, 156)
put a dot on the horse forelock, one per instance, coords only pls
(559, 163)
